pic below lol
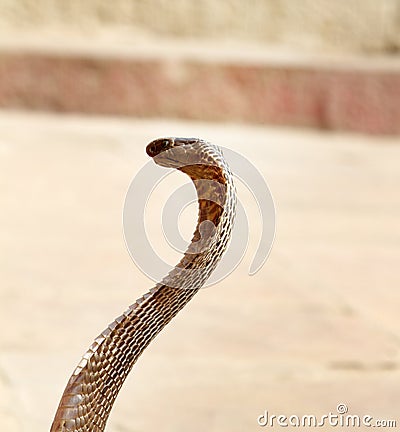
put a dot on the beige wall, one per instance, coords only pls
(344, 25)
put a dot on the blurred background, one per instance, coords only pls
(307, 91)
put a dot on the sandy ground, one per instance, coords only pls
(317, 326)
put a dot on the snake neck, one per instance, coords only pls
(217, 201)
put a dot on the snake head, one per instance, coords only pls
(190, 155)
(161, 145)
(174, 152)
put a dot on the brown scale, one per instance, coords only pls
(209, 181)
(95, 383)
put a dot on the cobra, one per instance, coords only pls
(95, 383)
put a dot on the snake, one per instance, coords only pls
(95, 383)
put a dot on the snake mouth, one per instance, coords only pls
(161, 145)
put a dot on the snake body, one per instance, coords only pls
(94, 385)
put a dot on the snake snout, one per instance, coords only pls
(158, 146)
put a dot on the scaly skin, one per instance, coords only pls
(94, 385)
